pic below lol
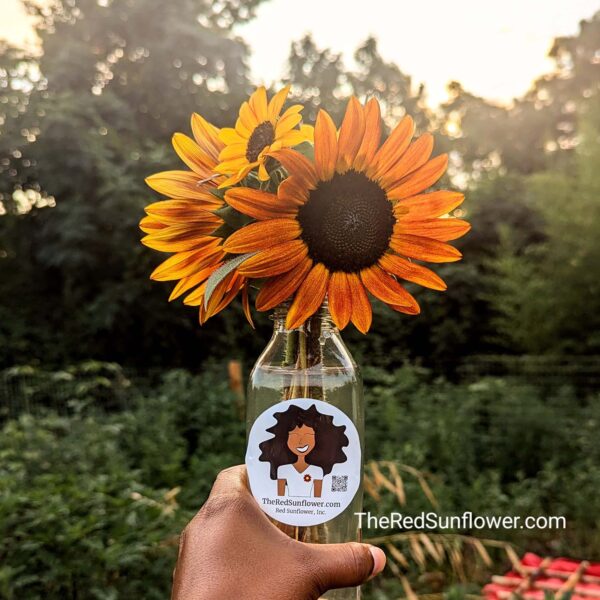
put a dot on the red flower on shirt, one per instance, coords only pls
(307, 477)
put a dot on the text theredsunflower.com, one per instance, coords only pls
(432, 521)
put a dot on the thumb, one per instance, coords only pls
(345, 565)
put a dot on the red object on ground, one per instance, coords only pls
(534, 576)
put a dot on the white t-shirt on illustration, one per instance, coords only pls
(299, 484)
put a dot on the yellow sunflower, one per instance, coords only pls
(350, 222)
(185, 224)
(259, 130)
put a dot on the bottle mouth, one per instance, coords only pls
(281, 310)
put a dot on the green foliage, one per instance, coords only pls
(95, 500)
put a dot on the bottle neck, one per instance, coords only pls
(319, 322)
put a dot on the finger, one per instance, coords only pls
(345, 565)
(233, 480)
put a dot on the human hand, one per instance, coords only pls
(230, 550)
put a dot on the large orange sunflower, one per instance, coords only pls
(350, 222)
(186, 223)
(259, 130)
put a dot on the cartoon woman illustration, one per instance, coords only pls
(305, 447)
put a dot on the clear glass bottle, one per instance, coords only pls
(311, 362)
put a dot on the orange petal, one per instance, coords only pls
(362, 313)
(340, 299)
(408, 310)
(372, 136)
(420, 179)
(351, 135)
(183, 184)
(393, 148)
(427, 206)
(274, 261)
(151, 225)
(309, 297)
(416, 156)
(207, 136)
(437, 229)
(193, 156)
(291, 191)
(326, 146)
(258, 204)
(180, 211)
(224, 293)
(246, 306)
(184, 264)
(191, 281)
(277, 289)
(385, 287)
(411, 271)
(423, 248)
(297, 165)
(261, 235)
(178, 238)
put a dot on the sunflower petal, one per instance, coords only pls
(261, 235)
(393, 148)
(372, 136)
(416, 156)
(326, 146)
(233, 152)
(290, 191)
(405, 269)
(277, 289)
(309, 297)
(274, 261)
(276, 103)
(183, 184)
(258, 204)
(423, 248)
(206, 136)
(340, 299)
(247, 121)
(420, 179)
(428, 206)
(351, 135)
(287, 123)
(187, 283)
(258, 104)
(228, 135)
(443, 230)
(179, 238)
(297, 165)
(362, 313)
(246, 306)
(151, 225)
(193, 156)
(385, 288)
(290, 139)
(181, 212)
(184, 264)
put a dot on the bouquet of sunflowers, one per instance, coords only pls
(302, 213)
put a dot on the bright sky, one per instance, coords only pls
(495, 49)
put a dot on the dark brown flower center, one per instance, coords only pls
(262, 136)
(347, 222)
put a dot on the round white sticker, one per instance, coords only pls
(303, 461)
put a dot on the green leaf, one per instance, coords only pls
(222, 272)
(307, 149)
(232, 217)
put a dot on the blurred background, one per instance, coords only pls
(117, 409)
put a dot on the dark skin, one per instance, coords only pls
(230, 549)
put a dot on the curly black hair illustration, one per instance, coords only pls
(329, 439)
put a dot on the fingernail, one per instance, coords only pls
(378, 560)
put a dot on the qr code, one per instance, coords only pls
(339, 483)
